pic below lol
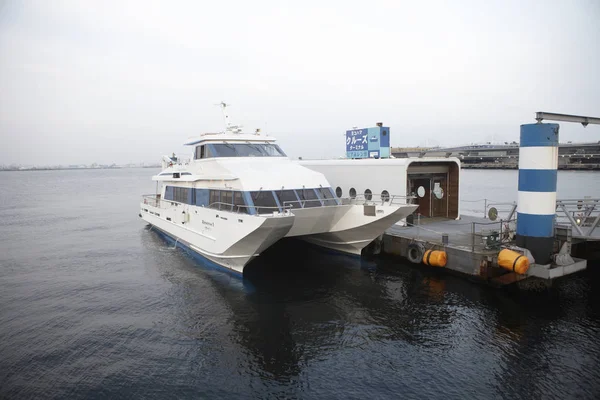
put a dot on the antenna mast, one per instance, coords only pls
(229, 128)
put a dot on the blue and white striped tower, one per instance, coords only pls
(538, 162)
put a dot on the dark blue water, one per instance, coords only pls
(94, 305)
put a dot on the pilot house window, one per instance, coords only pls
(199, 152)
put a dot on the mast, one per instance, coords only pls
(229, 127)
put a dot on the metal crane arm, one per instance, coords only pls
(540, 115)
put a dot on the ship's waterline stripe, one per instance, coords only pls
(536, 203)
(538, 158)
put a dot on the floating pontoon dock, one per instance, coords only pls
(472, 245)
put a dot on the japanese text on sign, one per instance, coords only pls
(356, 140)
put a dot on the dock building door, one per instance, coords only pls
(421, 188)
(440, 188)
(439, 197)
(431, 192)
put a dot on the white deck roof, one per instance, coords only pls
(231, 137)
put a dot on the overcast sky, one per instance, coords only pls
(127, 81)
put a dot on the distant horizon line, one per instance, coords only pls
(16, 167)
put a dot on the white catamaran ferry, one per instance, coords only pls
(239, 194)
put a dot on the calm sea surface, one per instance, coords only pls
(94, 305)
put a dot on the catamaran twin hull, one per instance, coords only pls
(233, 239)
(346, 228)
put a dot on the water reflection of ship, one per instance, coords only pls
(287, 312)
(306, 307)
(302, 307)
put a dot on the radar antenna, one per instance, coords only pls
(229, 127)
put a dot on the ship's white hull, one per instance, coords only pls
(347, 228)
(228, 239)
(232, 240)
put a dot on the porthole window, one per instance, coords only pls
(352, 193)
(368, 194)
(338, 191)
(438, 191)
(385, 196)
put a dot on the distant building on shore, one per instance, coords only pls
(573, 156)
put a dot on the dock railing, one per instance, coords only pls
(583, 215)
(492, 235)
(506, 210)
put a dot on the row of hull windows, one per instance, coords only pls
(252, 202)
(385, 195)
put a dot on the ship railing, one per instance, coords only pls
(358, 199)
(155, 200)
(379, 199)
(310, 203)
(152, 200)
(249, 209)
(178, 162)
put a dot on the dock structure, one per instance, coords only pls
(472, 245)
(546, 232)
(539, 241)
